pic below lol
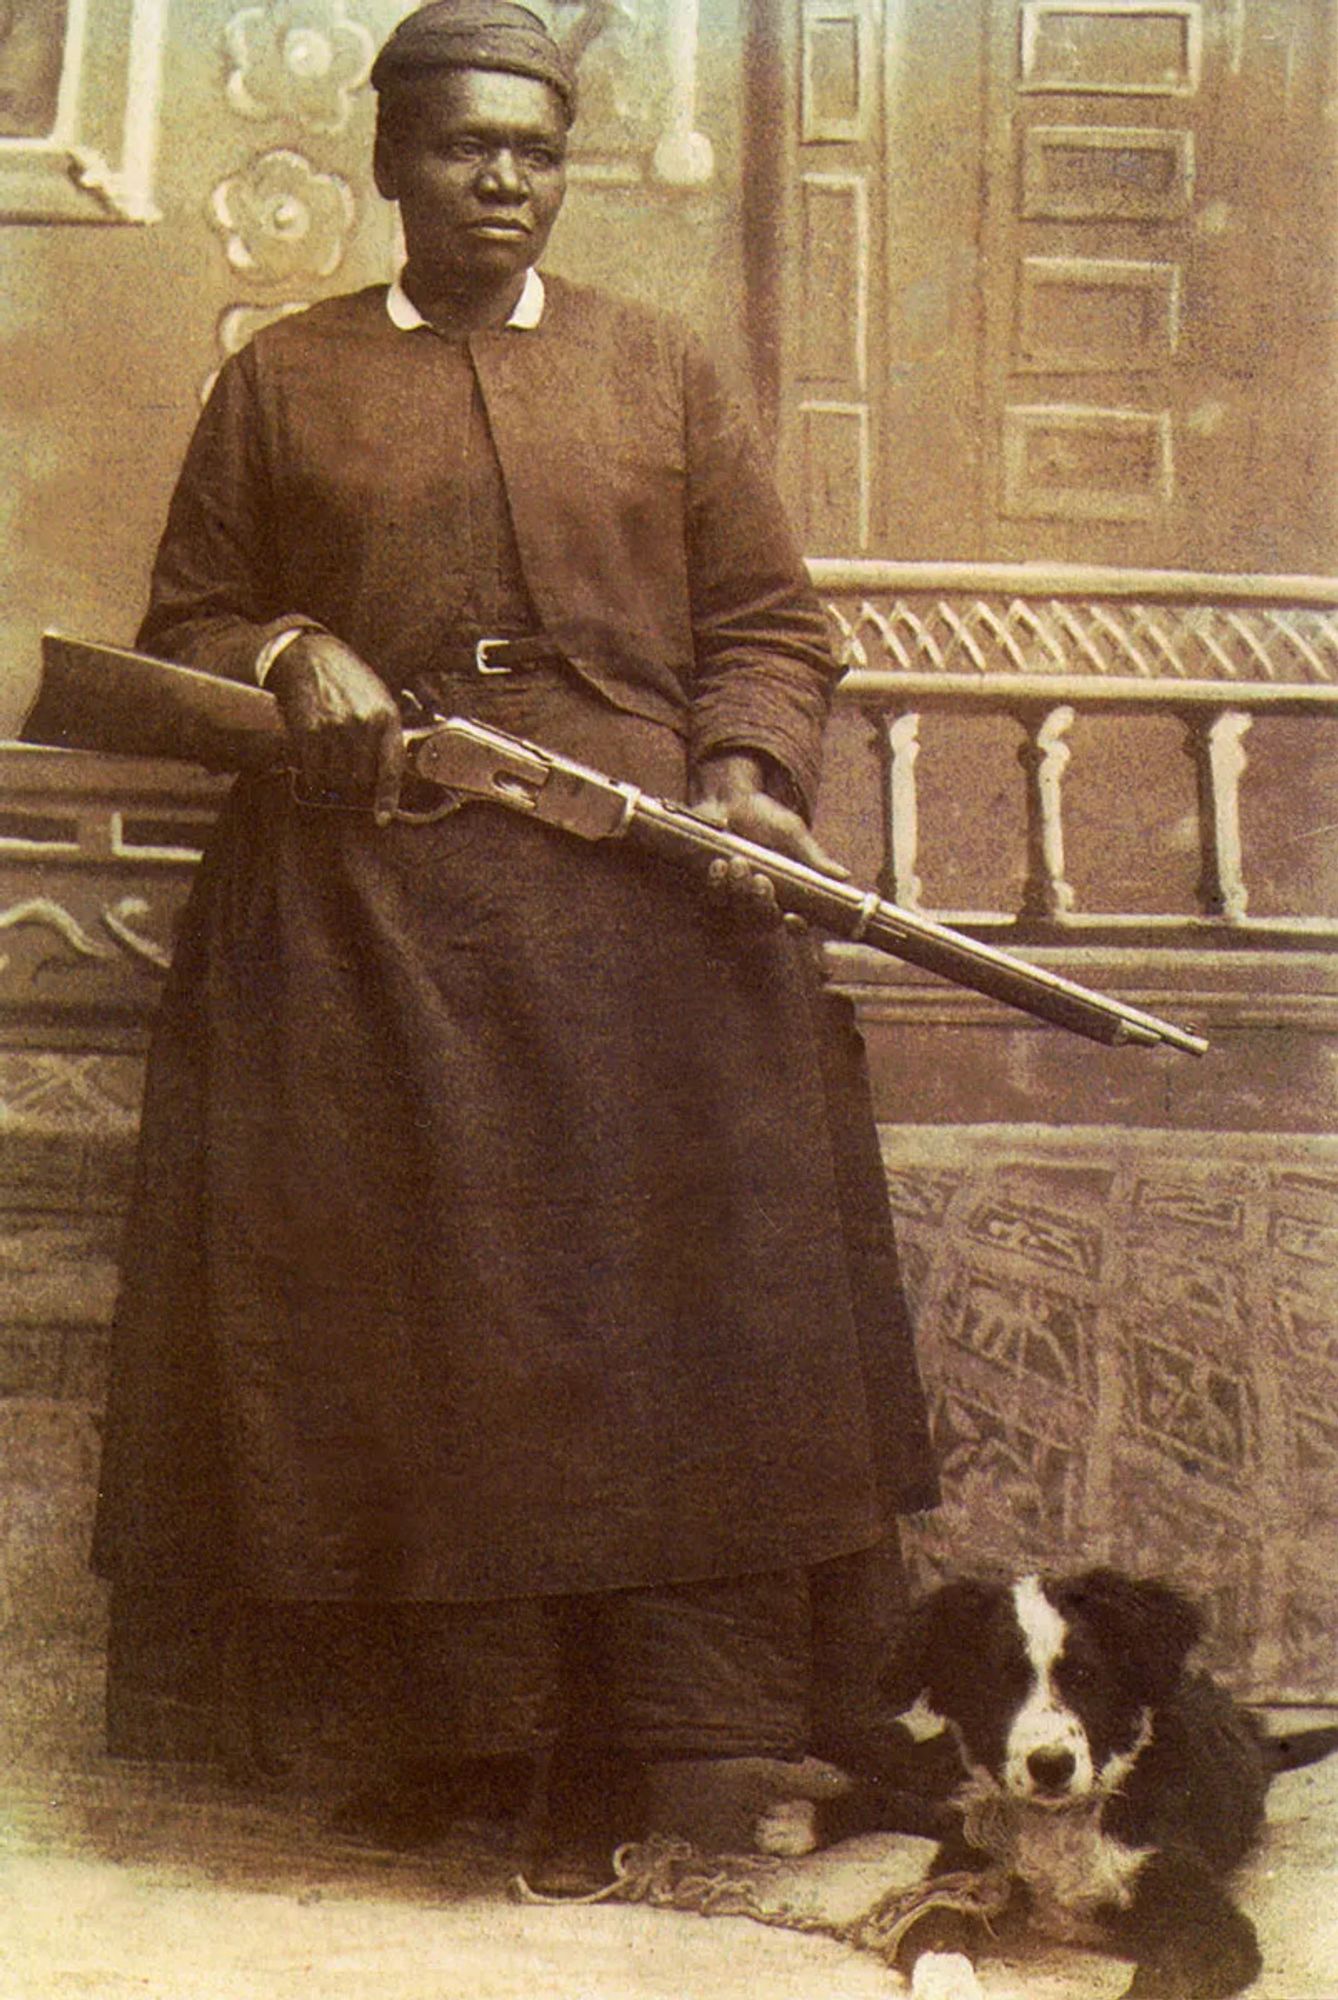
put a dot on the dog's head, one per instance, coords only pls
(1049, 1684)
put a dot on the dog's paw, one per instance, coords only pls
(788, 1829)
(945, 1975)
(719, 1803)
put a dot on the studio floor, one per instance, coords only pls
(117, 1882)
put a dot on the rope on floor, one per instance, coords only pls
(673, 1875)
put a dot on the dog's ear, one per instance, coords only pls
(941, 1641)
(1145, 1627)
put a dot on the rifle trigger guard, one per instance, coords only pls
(450, 802)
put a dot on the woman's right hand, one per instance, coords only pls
(343, 725)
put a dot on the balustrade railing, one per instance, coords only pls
(96, 854)
(1045, 646)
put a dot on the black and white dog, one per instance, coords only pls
(1112, 1790)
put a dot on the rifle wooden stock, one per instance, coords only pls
(114, 700)
(126, 704)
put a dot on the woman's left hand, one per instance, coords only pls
(730, 791)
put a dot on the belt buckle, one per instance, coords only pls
(483, 650)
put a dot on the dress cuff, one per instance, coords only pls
(277, 643)
(778, 781)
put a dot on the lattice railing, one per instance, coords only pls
(1044, 647)
(953, 618)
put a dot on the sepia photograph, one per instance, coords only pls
(669, 999)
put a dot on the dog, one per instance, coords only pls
(1108, 1789)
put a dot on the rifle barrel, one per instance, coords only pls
(859, 916)
(108, 698)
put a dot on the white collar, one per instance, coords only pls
(526, 314)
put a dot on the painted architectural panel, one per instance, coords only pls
(79, 84)
(1110, 173)
(1097, 314)
(1078, 463)
(32, 56)
(833, 338)
(834, 443)
(836, 84)
(1126, 48)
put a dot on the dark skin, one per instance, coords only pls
(476, 161)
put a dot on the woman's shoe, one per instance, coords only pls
(421, 1805)
(592, 1802)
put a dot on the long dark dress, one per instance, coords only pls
(501, 1229)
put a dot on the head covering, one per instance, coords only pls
(474, 34)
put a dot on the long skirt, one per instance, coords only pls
(506, 1223)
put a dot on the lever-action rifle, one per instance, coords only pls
(105, 698)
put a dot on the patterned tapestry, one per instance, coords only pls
(1130, 1341)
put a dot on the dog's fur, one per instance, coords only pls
(1115, 1789)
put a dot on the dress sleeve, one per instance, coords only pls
(764, 671)
(213, 600)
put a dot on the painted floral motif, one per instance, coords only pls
(281, 219)
(236, 327)
(299, 59)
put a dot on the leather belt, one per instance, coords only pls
(489, 656)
